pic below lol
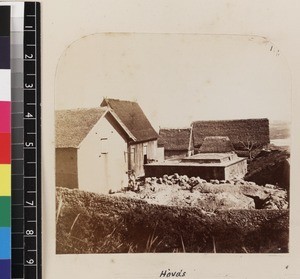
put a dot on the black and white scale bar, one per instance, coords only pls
(32, 143)
(17, 123)
(26, 144)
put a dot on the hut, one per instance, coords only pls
(177, 143)
(216, 145)
(91, 150)
(95, 148)
(143, 149)
(246, 135)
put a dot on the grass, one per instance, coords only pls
(91, 223)
(74, 223)
(152, 243)
(58, 210)
(183, 246)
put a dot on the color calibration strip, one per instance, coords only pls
(32, 142)
(20, 142)
(5, 144)
(17, 40)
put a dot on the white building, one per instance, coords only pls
(96, 147)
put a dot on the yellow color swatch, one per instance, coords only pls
(5, 180)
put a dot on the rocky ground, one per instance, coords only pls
(176, 190)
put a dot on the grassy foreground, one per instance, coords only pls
(92, 223)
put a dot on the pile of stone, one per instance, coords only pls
(188, 182)
(274, 197)
(182, 180)
(174, 179)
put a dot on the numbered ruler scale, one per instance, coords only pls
(26, 256)
(32, 179)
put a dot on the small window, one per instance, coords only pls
(145, 153)
(104, 145)
(132, 153)
(145, 149)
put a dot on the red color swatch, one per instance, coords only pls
(5, 148)
(5, 117)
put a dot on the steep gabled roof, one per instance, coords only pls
(238, 131)
(175, 139)
(72, 126)
(131, 114)
(216, 145)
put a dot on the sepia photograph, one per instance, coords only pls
(172, 143)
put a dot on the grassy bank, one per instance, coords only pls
(91, 223)
(270, 167)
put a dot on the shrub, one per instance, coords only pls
(106, 224)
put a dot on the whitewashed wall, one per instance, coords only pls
(160, 154)
(137, 152)
(152, 150)
(137, 158)
(102, 164)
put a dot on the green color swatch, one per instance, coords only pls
(5, 205)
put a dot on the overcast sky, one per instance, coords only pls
(176, 78)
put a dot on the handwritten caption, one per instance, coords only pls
(168, 273)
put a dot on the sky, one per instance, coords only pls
(177, 78)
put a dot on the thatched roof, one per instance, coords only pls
(131, 114)
(238, 131)
(216, 145)
(72, 126)
(175, 139)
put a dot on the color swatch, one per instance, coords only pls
(5, 146)
(20, 141)
(17, 142)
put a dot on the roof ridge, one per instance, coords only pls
(186, 128)
(229, 120)
(81, 109)
(121, 100)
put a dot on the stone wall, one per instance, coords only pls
(204, 172)
(237, 170)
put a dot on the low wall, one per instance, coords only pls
(237, 170)
(207, 172)
(202, 171)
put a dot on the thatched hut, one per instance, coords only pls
(216, 145)
(143, 149)
(90, 143)
(177, 143)
(96, 147)
(244, 134)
